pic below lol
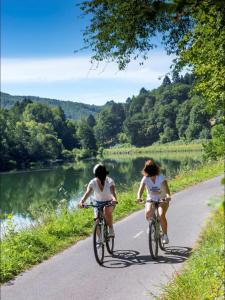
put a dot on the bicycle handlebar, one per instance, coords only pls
(157, 201)
(152, 201)
(99, 205)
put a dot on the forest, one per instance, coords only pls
(73, 110)
(33, 132)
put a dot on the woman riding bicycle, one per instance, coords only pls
(104, 192)
(157, 188)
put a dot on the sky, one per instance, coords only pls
(38, 58)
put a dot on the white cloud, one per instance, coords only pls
(42, 70)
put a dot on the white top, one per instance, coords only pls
(104, 195)
(154, 190)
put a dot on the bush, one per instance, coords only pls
(214, 149)
(67, 155)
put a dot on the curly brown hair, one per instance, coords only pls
(151, 168)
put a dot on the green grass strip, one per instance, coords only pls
(21, 250)
(203, 275)
(178, 146)
(190, 177)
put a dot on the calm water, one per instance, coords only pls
(24, 194)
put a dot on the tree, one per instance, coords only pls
(168, 135)
(134, 128)
(91, 121)
(69, 135)
(194, 30)
(203, 48)
(199, 120)
(166, 81)
(5, 139)
(215, 148)
(109, 124)
(119, 29)
(86, 136)
(143, 91)
(43, 143)
(18, 108)
(182, 119)
(175, 76)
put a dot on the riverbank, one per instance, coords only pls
(79, 155)
(177, 146)
(56, 231)
(202, 276)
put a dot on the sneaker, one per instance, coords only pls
(165, 239)
(111, 232)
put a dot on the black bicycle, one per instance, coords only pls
(101, 237)
(155, 232)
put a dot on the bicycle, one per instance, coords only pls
(100, 233)
(155, 232)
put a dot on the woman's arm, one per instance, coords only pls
(85, 196)
(140, 191)
(113, 192)
(166, 189)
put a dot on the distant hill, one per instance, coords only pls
(73, 110)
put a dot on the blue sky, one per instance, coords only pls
(38, 39)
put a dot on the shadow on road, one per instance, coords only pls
(127, 258)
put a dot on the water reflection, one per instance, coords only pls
(23, 194)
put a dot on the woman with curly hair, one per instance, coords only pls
(157, 189)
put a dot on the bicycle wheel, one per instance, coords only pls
(153, 240)
(109, 241)
(161, 245)
(98, 244)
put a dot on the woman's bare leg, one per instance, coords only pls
(162, 214)
(108, 215)
(149, 211)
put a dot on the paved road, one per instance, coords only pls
(131, 274)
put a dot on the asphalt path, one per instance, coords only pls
(131, 274)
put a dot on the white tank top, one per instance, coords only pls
(154, 190)
(104, 195)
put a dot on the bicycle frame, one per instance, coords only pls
(154, 232)
(101, 221)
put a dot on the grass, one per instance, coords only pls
(57, 231)
(177, 146)
(190, 177)
(157, 155)
(203, 275)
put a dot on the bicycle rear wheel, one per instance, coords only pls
(153, 240)
(98, 243)
(109, 241)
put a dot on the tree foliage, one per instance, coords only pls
(120, 30)
(109, 124)
(86, 136)
(165, 114)
(33, 132)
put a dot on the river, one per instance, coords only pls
(26, 194)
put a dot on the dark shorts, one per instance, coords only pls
(100, 203)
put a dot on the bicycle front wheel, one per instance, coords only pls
(153, 240)
(109, 241)
(161, 245)
(98, 243)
